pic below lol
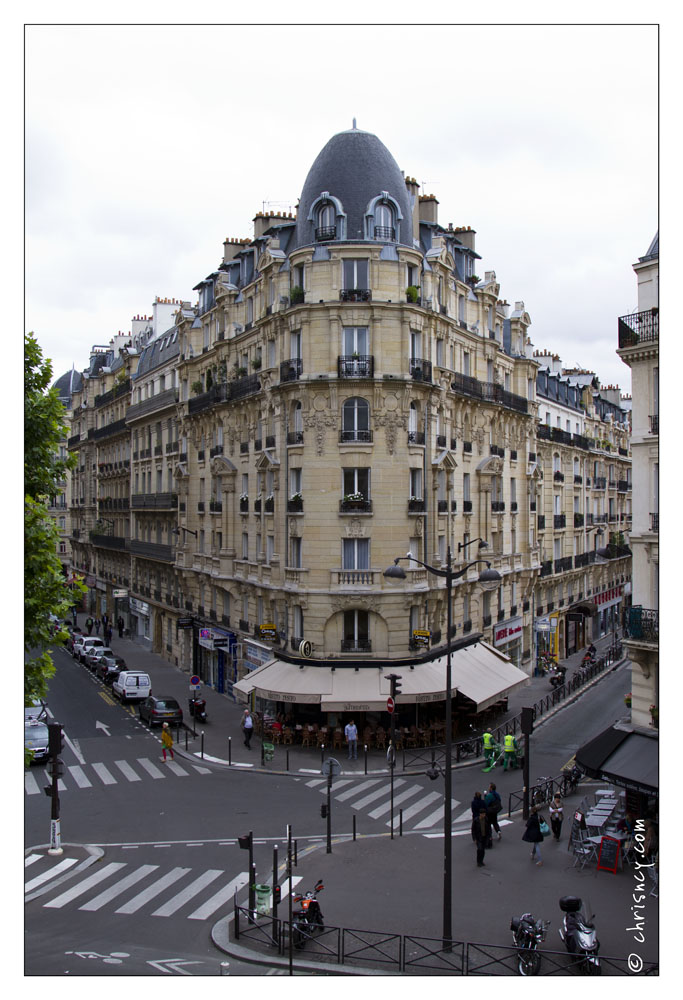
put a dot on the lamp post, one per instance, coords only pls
(490, 579)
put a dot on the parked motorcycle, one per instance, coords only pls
(198, 708)
(309, 918)
(527, 934)
(557, 676)
(579, 935)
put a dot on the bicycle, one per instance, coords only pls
(542, 791)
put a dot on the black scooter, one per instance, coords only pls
(557, 676)
(527, 934)
(579, 935)
(198, 708)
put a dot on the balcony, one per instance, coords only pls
(291, 369)
(325, 233)
(246, 386)
(440, 440)
(486, 621)
(362, 506)
(295, 437)
(558, 477)
(467, 506)
(154, 501)
(215, 506)
(416, 505)
(295, 505)
(349, 436)
(584, 559)
(354, 577)
(109, 430)
(578, 480)
(600, 483)
(563, 565)
(489, 392)
(559, 521)
(581, 442)
(638, 328)
(216, 450)
(386, 233)
(513, 455)
(204, 401)
(467, 447)
(546, 567)
(498, 506)
(654, 522)
(495, 450)
(269, 505)
(643, 623)
(356, 646)
(513, 507)
(623, 485)
(355, 295)
(416, 437)
(244, 505)
(420, 369)
(532, 456)
(541, 522)
(578, 520)
(654, 423)
(355, 366)
(115, 393)
(109, 541)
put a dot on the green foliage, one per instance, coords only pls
(45, 589)
(197, 388)
(412, 293)
(296, 295)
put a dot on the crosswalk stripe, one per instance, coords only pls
(222, 896)
(343, 783)
(315, 782)
(151, 768)
(285, 888)
(31, 859)
(30, 784)
(467, 814)
(118, 888)
(398, 799)
(105, 776)
(134, 904)
(376, 795)
(127, 771)
(357, 789)
(176, 768)
(83, 887)
(188, 893)
(201, 770)
(51, 873)
(436, 816)
(420, 806)
(78, 774)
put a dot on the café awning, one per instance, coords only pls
(479, 672)
(624, 757)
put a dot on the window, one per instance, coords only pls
(294, 481)
(415, 344)
(461, 309)
(245, 545)
(466, 363)
(355, 553)
(355, 630)
(356, 420)
(466, 486)
(326, 221)
(442, 548)
(295, 552)
(355, 275)
(415, 550)
(439, 352)
(356, 481)
(270, 548)
(384, 222)
(295, 344)
(412, 276)
(416, 484)
(355, 341)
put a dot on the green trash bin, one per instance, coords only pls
(268, 751)
(262, 899)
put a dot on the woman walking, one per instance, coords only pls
(166, 741)
(556, 815)
(532, 835)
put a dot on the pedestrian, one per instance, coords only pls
(556, 815)
(351, 733)
(105, 619)
(166, 741)
(477, 804)
(107, 635)
(98, 626)
(481, 835)
(88, 624)
(532, 835)
(119, 625)
(248, 727)
(510, 752)
(490, 747)
(493, 804)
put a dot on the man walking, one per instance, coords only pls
(119, 625)
(351, 734)
(493, 804)
(481, 835)
(248, 728)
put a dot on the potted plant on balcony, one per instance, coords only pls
(654, 715)
(296, 295)
(256, 364)
(197, 388)
(412, 293)
(353, 501)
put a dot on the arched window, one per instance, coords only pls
(356, 420)
(383, 219)
(326, 228)
(384, 222)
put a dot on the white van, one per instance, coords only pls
(132, 685)
(85, 645)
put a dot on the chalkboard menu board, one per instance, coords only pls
(608, 858)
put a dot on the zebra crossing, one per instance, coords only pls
(125, 889)
(120, 771)
(422, 809)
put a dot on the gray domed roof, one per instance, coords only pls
(67, 384)
(355, 168)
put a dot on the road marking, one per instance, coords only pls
(83, 887)
(75, 746)
(150, 767)
(408, 794)
(118, 888)
(102, 773)
(201, 770)
(134, 904)
(127, 770)
(176, 768)
(79, 777)
(437, 816)
(224, 895)
(188, 893)
(32, 858)
(356, 789)
(467, 814)
(51, 873)
(31, 786)
(418, 807)
(376, 795)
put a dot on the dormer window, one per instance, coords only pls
(326, 228)
(383, 219)
(384, 222)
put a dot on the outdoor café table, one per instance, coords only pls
(621, 837)
(596, 822)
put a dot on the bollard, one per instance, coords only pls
(400, 822)
(287, 760)
(296, 853)
(202, 744)
(225, 968)
(186, 732)
(322, 754)
(354, 826)
(229, 750)
(365, 751)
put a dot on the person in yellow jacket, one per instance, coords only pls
(166, 741)
(510, 748)
(490, 747)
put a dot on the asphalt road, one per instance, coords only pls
(167, 832)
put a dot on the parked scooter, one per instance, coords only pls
(527, 934)
(309, 918)
(198, 708)
(579, 935)
(557, 676)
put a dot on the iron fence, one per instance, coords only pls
(495, 960)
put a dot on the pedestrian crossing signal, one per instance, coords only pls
(277, 893)
(55, 739)
(323, 811)
(245, 842)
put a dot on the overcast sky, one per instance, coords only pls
(146, 146)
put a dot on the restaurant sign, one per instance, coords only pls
(421, 637)
(508, 631)
(268, 631)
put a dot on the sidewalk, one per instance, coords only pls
(224, 715)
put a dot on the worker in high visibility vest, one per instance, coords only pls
(510, 752)
(490, 747)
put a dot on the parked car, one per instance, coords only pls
(162, 709)
(35, 712)
(84, 643)
(132, 685)
(36, 739)
(92, 656)
(74, 633)
(109, 667)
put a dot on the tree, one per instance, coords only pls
(45, 588)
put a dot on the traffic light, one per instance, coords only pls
(245, 842)
(323, 811)
(277, 893)
(395, 685)
(55, 739)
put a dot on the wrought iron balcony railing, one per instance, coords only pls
(324, 233)
(355, 295)
(639, 327)
(643, 623)
(420, 369)
(654, 522)
(362, 366)
(291, 369)
(654, 423)
(355, 435)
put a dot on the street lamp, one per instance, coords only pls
(490, 579)
(185, 531)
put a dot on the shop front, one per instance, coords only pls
(215, 658)
(507, 636)
(609, 608)
(140, 623)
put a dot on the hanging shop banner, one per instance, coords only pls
(508, 631)
(139, 607)
(421, 637)
(268, 631)
(213, 638)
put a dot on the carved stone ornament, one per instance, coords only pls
(366, 603)
(318, 423)
(392, 423)
(355, 528)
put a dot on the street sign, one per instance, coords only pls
(331, 767)
(195, 681)
(390, 704)
(184, 623)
